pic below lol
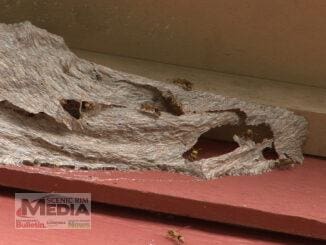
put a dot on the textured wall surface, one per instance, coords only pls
(280, 40)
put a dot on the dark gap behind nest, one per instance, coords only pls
(226, 132)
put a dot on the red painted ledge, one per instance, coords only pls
(110, 224)
(289, 201)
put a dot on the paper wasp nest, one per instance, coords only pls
(57, 109)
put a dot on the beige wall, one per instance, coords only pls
(276, 39)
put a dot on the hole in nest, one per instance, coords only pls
(73, 107)
(270, 153)
(219, 141)
(207, 148)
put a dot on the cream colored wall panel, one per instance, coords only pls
(280, 39)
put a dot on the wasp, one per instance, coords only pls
(183, 83)
(173, 105)
(87, 106)
(150, 109)
(175, 236)
(248, 134)
(193, 154)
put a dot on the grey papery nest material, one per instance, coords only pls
(60, 110)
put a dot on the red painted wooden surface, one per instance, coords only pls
(122, 226)
(291, 201)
